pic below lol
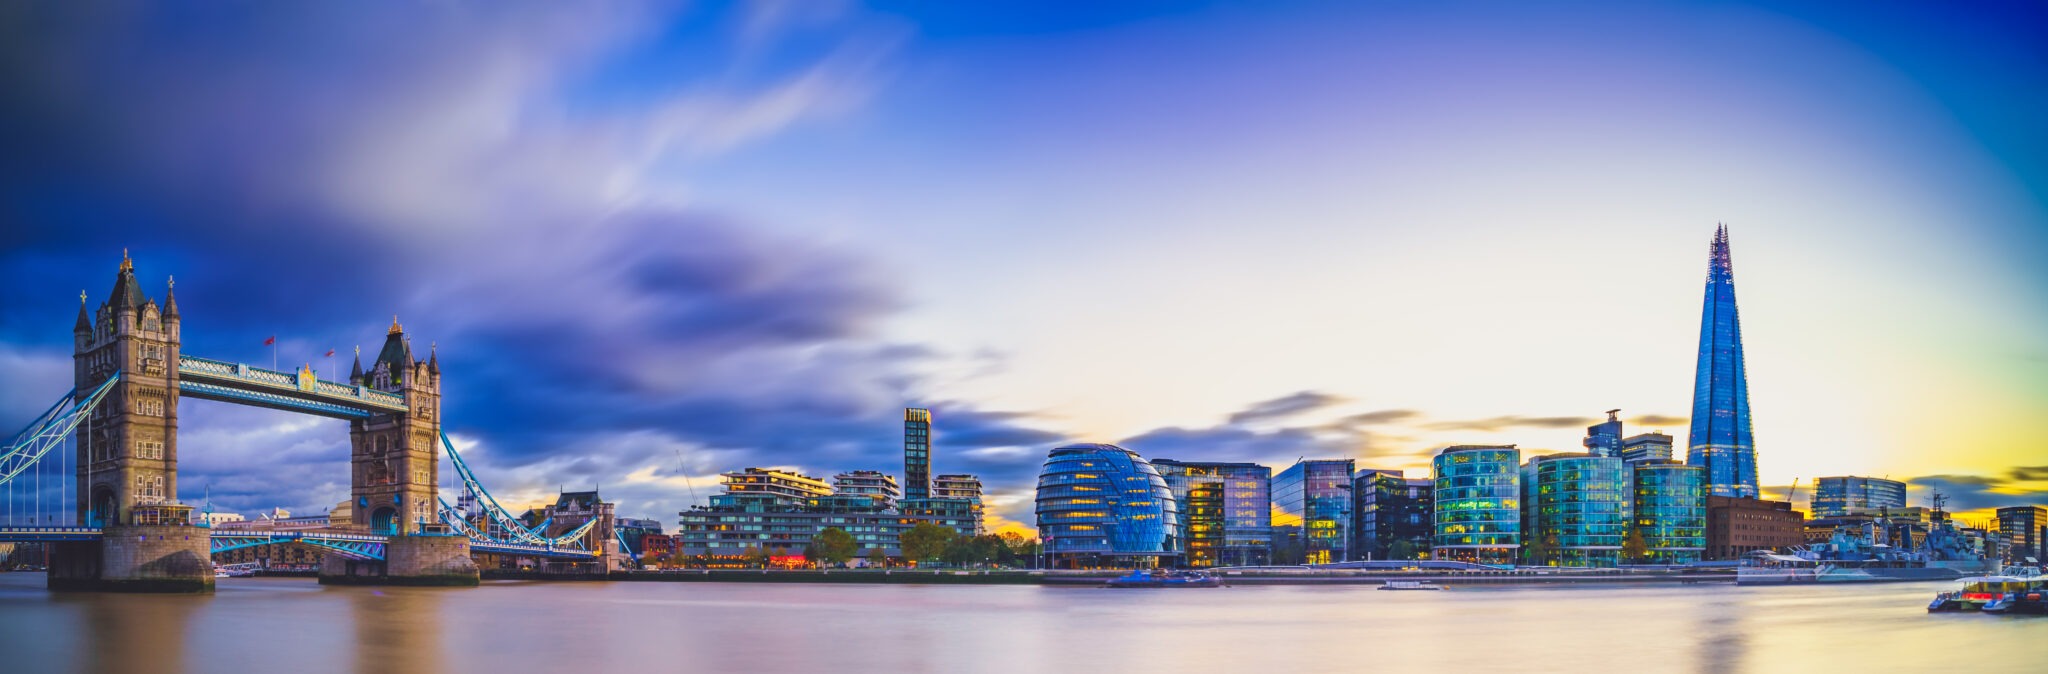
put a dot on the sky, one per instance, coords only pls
(654, 242)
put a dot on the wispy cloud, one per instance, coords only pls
(1285, 406)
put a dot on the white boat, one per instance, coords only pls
(1409, 585)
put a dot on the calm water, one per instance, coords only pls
(294, 625)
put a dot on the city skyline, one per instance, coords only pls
(658, 243)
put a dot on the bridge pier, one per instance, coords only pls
(169, 558)
(427, 560)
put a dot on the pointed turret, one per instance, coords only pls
(355, 373)
(434, 359)
(127, 292)
(397, 352)
(171, 297)
(84, 325)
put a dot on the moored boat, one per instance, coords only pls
(1410, 585)
(1862, 555)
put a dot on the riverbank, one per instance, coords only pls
(1095, 578)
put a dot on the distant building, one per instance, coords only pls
(1671, 510)
(1835, 496)
(1739, 525)
(917, 453)
(1313, 496)
(957, 486)
(1646, 447)
(1578, 506)
(954, 494)
(216, 519)
(1392, 515)
(1103, 506)
(873, 484)
(1478, 512)
(779, 526)
(1226, 511)
(1604, 438)
(2025, 530)
(779, 486)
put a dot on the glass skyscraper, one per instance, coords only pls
(1671, 511)
(1392, 515)
(1478, 504)
(917, 453)
(1314, 497)
(1104, 506)
(1720, 440)
(1226, 511)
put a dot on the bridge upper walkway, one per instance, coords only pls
(296, 392)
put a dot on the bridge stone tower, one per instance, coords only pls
(128, 447)
(393, 454)
(128, 452)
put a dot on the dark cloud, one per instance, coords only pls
(1502, 423)
(1285, 406)
(307, 172)
(1969, 492)
(1658, 420)
(1376, 418)
(2029, 474)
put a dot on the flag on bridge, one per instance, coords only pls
(270, 341)
(330, 353)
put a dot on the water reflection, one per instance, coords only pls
(134, 632)
(397, 629)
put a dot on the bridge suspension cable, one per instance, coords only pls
(515, 530)
(49, 430)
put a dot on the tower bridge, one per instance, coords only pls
(121, 418)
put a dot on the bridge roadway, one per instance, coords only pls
(348, 544)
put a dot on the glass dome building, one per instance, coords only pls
(1478, 504)
(1103, 506)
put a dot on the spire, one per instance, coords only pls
(395, 327)
(84, 324)
(127, 293)
(434, 358)
(355, 374)
(171, 298)
(1720, 438)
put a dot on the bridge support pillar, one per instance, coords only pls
(408, 560)
(136, 558)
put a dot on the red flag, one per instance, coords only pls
(330, 353)
(270, 340)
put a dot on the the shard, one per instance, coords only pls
(1720, 440)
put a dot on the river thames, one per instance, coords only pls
(296, 625)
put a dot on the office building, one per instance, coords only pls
(1226, 511)
(1837, 496)
(1604, 438)
(917, 453)
(1392, 515)
(1670, 511)
(1721, 441)
(777, 513)
(1646, 447)
(2025, 530)
(1478, 511)
(1739, 525)
(1313, 497)
(1576, 509)
(1103, 506)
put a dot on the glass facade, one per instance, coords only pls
(1101, 506)
(1478, 510)
(1671, 511)
(1315, 497)
(1577, 510)
(1646, 447)
(1604, 438)
(2025, 529)
(1226, 513)
(1720, 441)
(1392, 516)
(1837, 496)
(917, 453)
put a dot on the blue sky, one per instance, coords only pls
(658, 241)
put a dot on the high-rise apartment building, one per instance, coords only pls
(873, 484)
(2025, 530)
(917, 453)
(1646, 448)
(1720, 440)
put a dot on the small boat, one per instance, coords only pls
(1410, 585)
(1144, 578)
(2009, 594)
